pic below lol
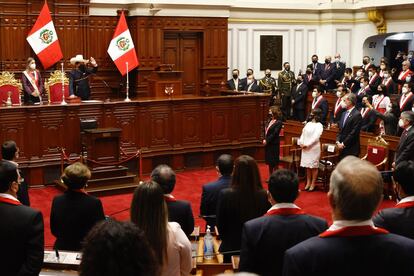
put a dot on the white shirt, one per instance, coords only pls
(407, 199)
(339, 224)
(283, 205)
(8, 196)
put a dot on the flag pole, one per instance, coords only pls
(63, 87)
(127, 99)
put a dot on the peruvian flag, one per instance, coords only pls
(43, 39)
(121, 49)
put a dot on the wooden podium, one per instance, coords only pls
(164, 82)
(102, 145)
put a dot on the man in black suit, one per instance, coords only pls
(339, 68)
(299, 93)
(315, 65)
(249, 83)
(310, 79)
(9, 153)
(211, 191)
(347, 138)
(352, 245)
(235, 83)
(21, 230)
(178, 210)
(369, 116)
(327, 74)
(79, 77)
(265, 239)
(405, 149)
(400, 219)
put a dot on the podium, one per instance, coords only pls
(164, 82)
(102, 145)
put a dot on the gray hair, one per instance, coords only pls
(352, 98)
(409, 116)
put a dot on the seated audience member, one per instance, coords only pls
(390, 118)
(74, 212)
(244, 200)
(265, 239)
(9, 153)
(170, 244)
(368, 115)
(400, 219)
(235, 83)
(352, 245)
(117, 248)
(178, 210)
(21, 230)
(212, 190)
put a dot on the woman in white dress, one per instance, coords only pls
(311, 148)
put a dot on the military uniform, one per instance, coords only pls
(286, 81)
(268, 85)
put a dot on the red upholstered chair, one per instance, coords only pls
(53, 87)
(9, 85)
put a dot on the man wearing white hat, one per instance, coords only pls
(79, 77)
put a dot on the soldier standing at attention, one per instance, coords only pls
(268, 83)
(286, 81)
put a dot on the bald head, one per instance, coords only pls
(355, 193)
(165, 177)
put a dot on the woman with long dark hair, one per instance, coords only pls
(244, 200)
(170, 244)
(272, 140)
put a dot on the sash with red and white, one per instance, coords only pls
(284, 209)
(387, 82)
(309, 77)
(364, 111)
(406, 202)
(271, 123)
(33, 79)
(404, 74)
(380, 103)
(338, 107)
(345, 228)
(373, 79)
(169, 198)
(381, 73)
(405, 99)
(366, 66)
(315, 104)
(9, 199)
(362, 91)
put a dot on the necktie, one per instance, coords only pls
(345, 118)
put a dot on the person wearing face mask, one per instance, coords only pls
(339, 68)
(234, 83)
(363, 90)
(389, 119)
(373, 79)
(315, 65)
(327, 74)
(388, 82)
(383, 67)
(349, 81)
(406, 99)
(338, 110)
(286, 80)
(271, 141)
(320, 102)
(347, 139)
(79, 77)
(381, 100)
(399, 219)
(404, 76)
(32, 83)
(310, 79)
(405, 148)
(268, 83)
(366, 63)
(299, 95)
(368, 115)
(249, 83)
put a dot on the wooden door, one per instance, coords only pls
(183, 50)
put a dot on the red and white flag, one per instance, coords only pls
(43, 39)
(121, 49)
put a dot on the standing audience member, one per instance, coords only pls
(404, 76)
(170, 244)
(389, 82)
(211, 191)
(320, 102)
(265, 239)
(339, 68)
(406, 100)
(285, 81)
(272, 140)
(400, 219)
(235, 83)
(32, 83)
(10, 153)
(327, 75)
(299, 95)
(380, 101)
(311, 148)
(114, 248)
(405, 149)
(368, 115)
(390, 118)
(21, 230)
(352, 245)
(178, 210)
(338, 110)
(363, 91)
(74, 213)
(347, 138)
(249, 83)
(244, 200)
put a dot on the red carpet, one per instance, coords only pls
(188, 187)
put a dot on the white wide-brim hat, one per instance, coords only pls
(78, 58)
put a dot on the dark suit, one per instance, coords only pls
(368, 121)
(374, 82)
(230, 219)
(367, 91)
(180, 211)
(209, 198)
(79, 82)
(265, 239)
(408, 104)
(311, 80)
(339, 70)
(252, 87)
(323, 106)
(316, 68)
(348, 133)
(405, 149)
(390, 122)
(380, 255)
(72, 215)
(22, 193)
(399, 221)
(232, 86)
(21, 239)
(273, 144)
(299, 93)
(327, 73)
(29, 89)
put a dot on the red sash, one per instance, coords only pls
(271, 123)
(309, 77)
(284, 212)
(318, 102)
(10, 201)
(403, 75)
(377, 103)
(169, 198)
(404, 102)
(354, 231)
(362, 91)
(387, 83)
(337, 107)
(364, 113)
(374, 77)
(408, 204)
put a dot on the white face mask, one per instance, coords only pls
(249, 81)
(388, 108)
(338, 94)
(401, 123)
(343, 104)
(410, 56)
(404, 90)
(362, 85)
(386, 75)
(407, 79)
(359, 73)
(370, 73)
(337, 60)
(32, 66)
(314, 94)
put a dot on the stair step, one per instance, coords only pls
(109, 172)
